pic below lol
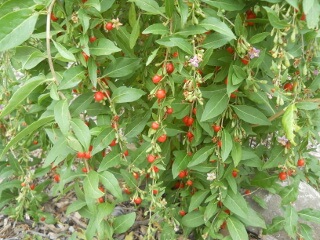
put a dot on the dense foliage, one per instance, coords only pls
(182, 107)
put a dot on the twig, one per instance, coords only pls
(48, 38)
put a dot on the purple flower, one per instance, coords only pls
(253, 52)
(194, 61)
(316, 72)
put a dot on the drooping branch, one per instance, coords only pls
(48, 38)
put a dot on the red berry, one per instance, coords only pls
(169, 110)
(101, 200)
(162, 138)
(42, 219)
(84, 170)
(169, 68)
(288, 87)
(109, 26)
(230, 50)
(300, 162)
(190, 136)
(87, 155)
(303, 17)
(113, 143)
(219, 143)
(53, 17)
(250, 15)
(99, 96)
(216, 128)
(32, 186)
(135, 175)
(155, 125)
(247, 192)
(182, 213)
(155, 191)
(227, 211)
(189, 122)
(194, 111)
(35, 142)
(151, 158)
(155, 169)
(245, 60)
(85, 56)
(156, 79)
(282, 176)
(127, 190)
(189, 182)
(126, 153)
(137, 200)
(223, 225)
(101, 189)
(182, 174)
(234, 173)
(92, 39)
(56, 178)
(161, 94)
(175, 54)
(185, 119)
(233, 95)
(226, 81)
(90, 148)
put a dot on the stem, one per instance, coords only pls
(48, 38)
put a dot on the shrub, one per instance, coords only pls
(180, 107)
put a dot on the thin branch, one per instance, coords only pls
(48, 38)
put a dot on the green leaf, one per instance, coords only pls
(215, 106)
(215, 40)
(259, 37)
(236, 229)
(307, 5)
(134, 34)
(152, 56)
(306, 231)
(251, 115)
(22, 93)
(211, 209)
(183, 11)
(157, 28)
(62, 115)
(25, 132)
(92, 69)
(236, 204)
(136, 127)
(191, 30)
(103, 47)
(17, 27)
(289, 123)
(276, 225)
(80, 104)
(228, 5)
(274, 19)
(180, 163)
(91, 185)
(111, 183)
(193, 219)
(65, 54)
(9, 185)
(169, 7)
(182, 44)
(212, 23)
(289, 194)
(150, 6)
(75, 206)
(110, 160)
(122, 223)
(11, 6)
(122, 67)
(263, 180)
(313, 16)
(103, 140)
(236, 153)
(82, 132)
(197, 199)
(106, 5)
(132, 15)
(29, 56)
(310, 215)
(277, 157)
(139, 155)
(72, 77)
(58, 152)
(125, 94)
(291, 221)
(84, 20)
(253, 219)
(200, 156)
(227, 145)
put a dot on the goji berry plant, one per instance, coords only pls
(182, 107)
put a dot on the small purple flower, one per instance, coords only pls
(194, 61)
(316, 72)
(283, 140)
(253, 52)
